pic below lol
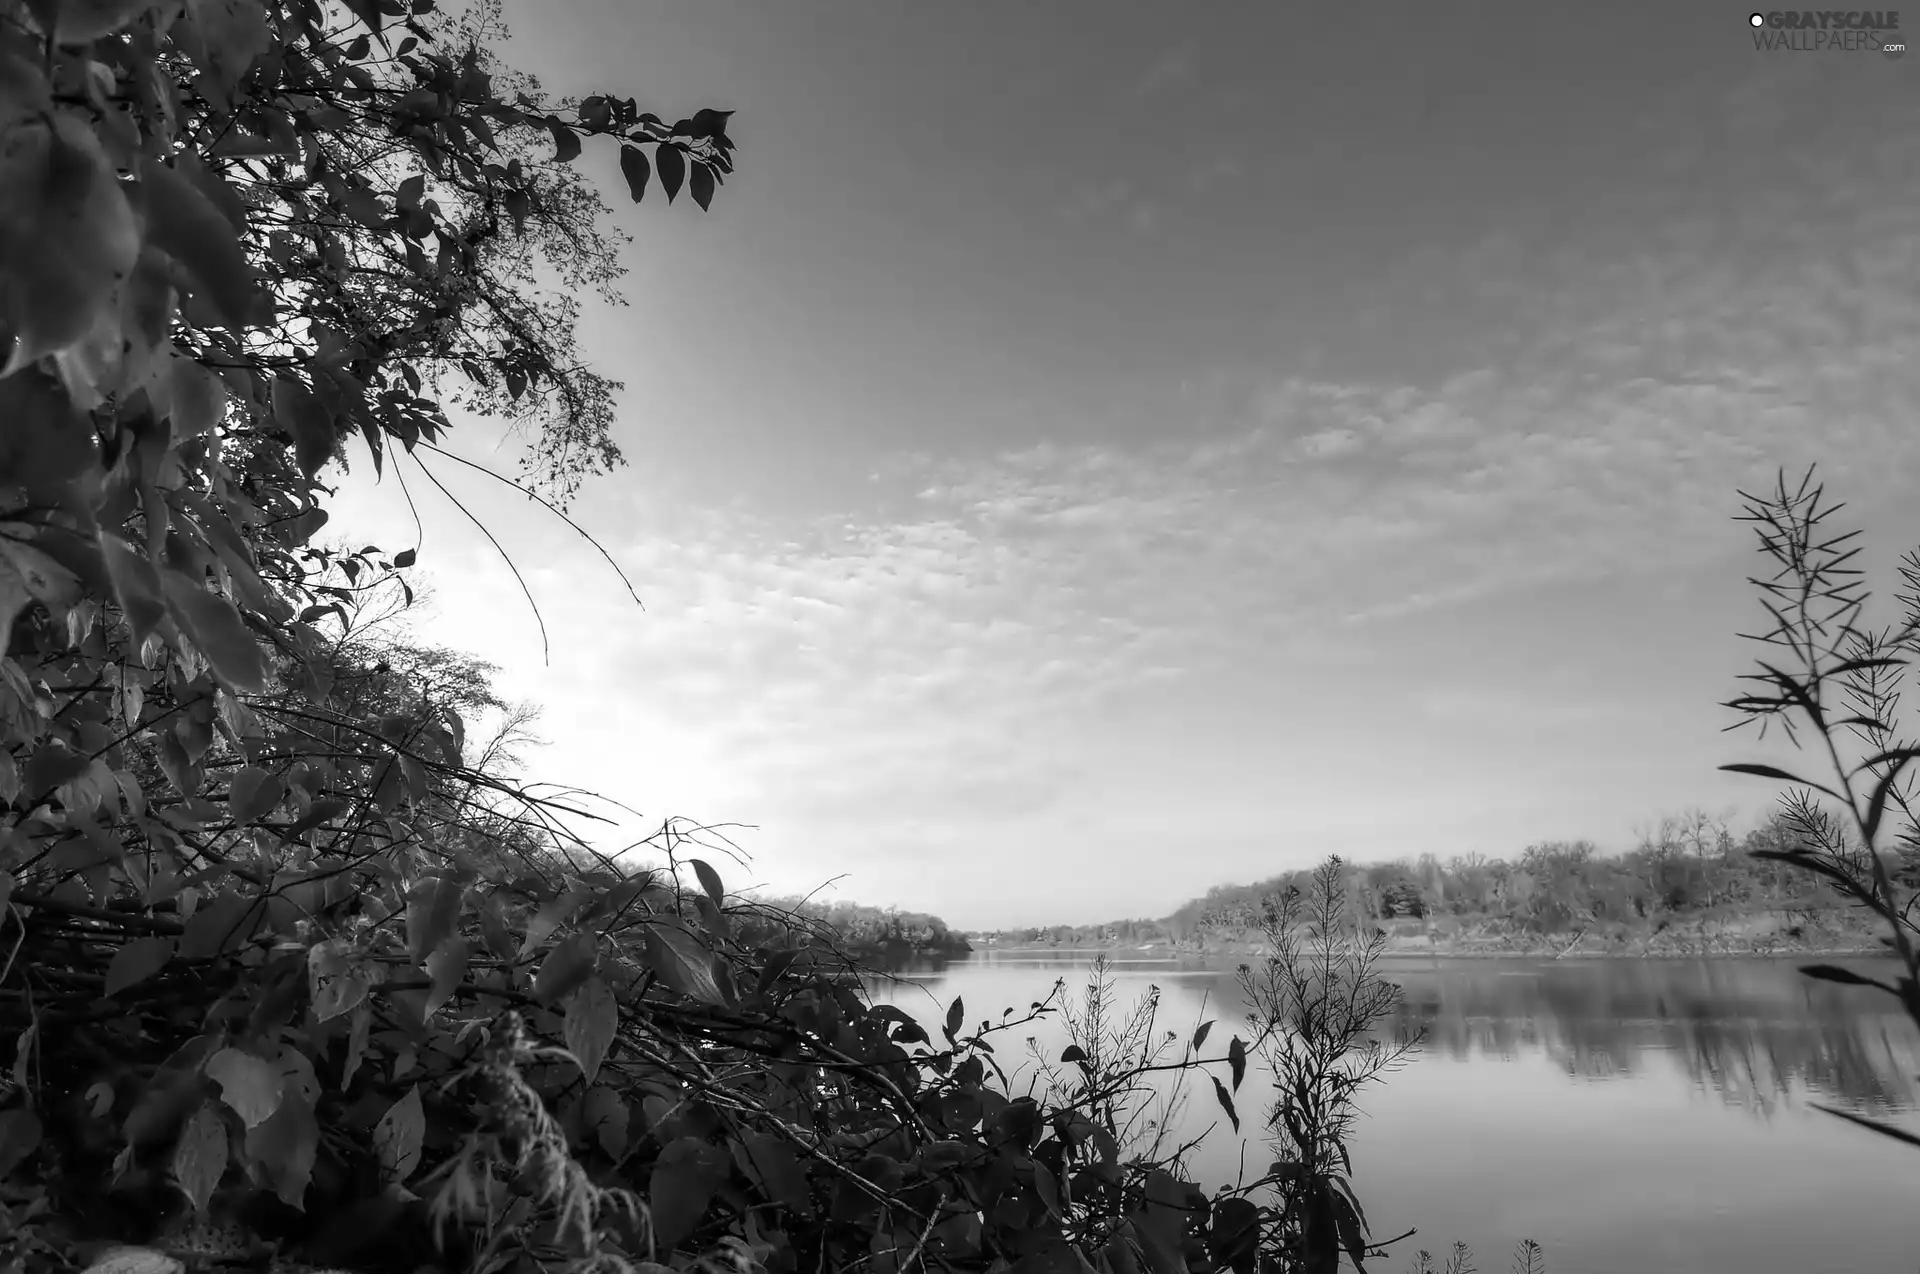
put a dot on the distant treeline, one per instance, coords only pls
(1686, 878)
(866, 931)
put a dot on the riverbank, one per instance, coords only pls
(1746, 936)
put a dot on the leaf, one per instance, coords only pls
(1834, 973)
(433, 910)
(700, 185)
(285, 1146)
(223, 925)
(200, 1156)
(608, 1117)
(633, 166)
(710, 881)
(566, 143)
(593, 1019)
(672, 167)
(783, 1178)
(252, 794)
(71, 235)
(51, 766)
(956, 1017)
(19, 1137)
(187, 226)
(247, 1084)
(1073, 1053)
(1237, 1061)
(552, 914)
(1766, 772)
(566, 967)
(684, 1179)
(1226, 1102)
(136, 961)
(319, 812)
(307, 422)
(398, 1136)
(403, 559)
(1884, 1129)
(1352, 1230)
(1235, 1237)
(39, 576)
(1200, 1036)
(217, 629)
(136, 586)
(679, 960)
(226, 37)
(447, 966)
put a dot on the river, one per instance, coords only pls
(1632, 1116)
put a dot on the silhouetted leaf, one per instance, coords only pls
(1235, 1235)
(1200, 1036)
(634, 167)
(672, 167)
(1884, 1129)
(956, 1017)
(1226, 1102)
(566, 143)
(705, 123)
(1834, 973)
(1237, 1061)
(700, 185)
(1766, 772)
(1073, 1053)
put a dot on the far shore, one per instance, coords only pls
(1545, 950)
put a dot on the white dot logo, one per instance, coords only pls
(1756, 19)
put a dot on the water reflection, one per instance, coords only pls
(1649, 1116)
(1751, 1032)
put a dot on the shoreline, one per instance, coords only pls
(1541, 952)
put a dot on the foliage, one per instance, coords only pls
(875, 932)
(289, 963)
(1840, 682)
(1321, 999)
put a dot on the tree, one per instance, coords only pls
(282, 947)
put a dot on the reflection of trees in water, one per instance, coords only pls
(1751, 1032)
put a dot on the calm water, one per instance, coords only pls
(1635, 1117)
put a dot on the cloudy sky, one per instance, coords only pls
(1088, 454)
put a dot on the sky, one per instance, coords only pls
(1087, 455)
